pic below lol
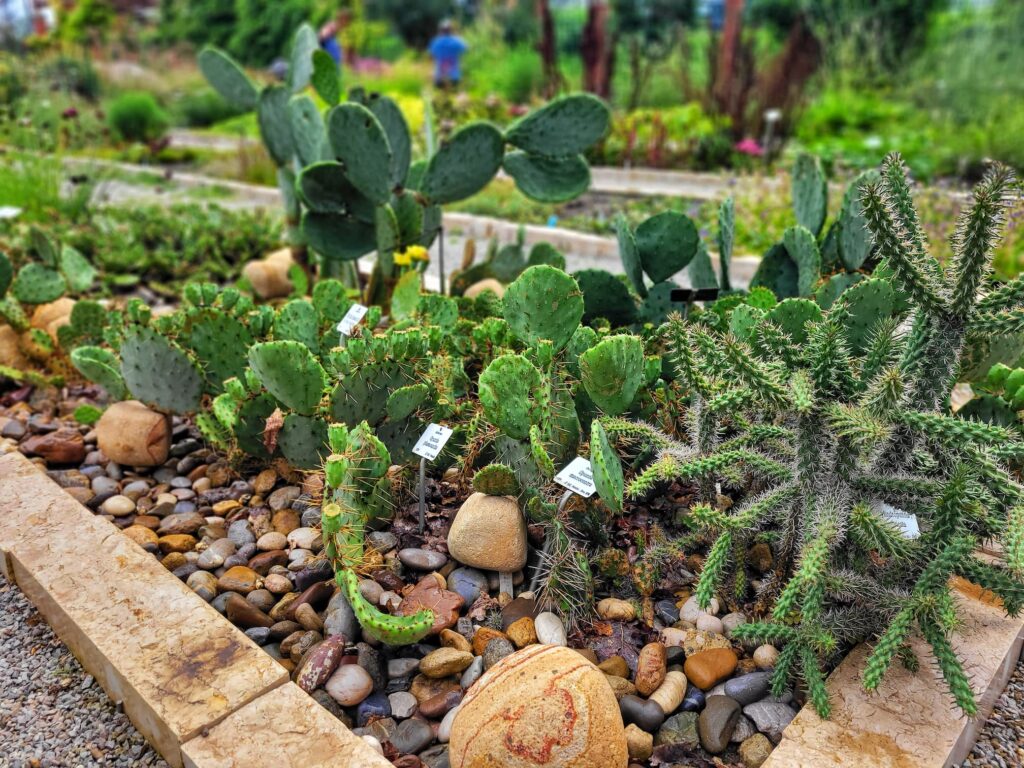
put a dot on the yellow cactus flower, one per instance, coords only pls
(403, 259)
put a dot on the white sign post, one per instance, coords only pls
(352, 318)
(428, 448)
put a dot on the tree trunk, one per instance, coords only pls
(724, 92)
(547, 47)
(597, 51)
(782, 85)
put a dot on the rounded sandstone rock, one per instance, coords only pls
(489, 532)
(544, 705)
(52, 315)
(133, 435)
(487, 284)
(269, 276)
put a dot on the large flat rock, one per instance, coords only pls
(153, 644)
(910, 721)
(285, 729)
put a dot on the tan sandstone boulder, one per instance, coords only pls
(543, 707)
(10, 349)
(487, 284)
(51, 316)
(269, 275)
(133, 435)
(489, 532)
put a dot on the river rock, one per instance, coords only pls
(487, 284)
(489, 532)
(133, 435)
(650, 668)
(403, 704)
(716, 723)
(755, 750)
(468, 582)
(242, 613)
(708, 668)
(522, 632)
(771, 718)
(472, 673)
(639, 744)
(239, 579)
(615, 666)
(444, 662)
(411, 736)
(614, 609)
(765, 656)
(693, 640)
(678, 729)
(427, 594)
(541, 705)
(646, 714)
(349, 685)
(496, 650)
(122, 506)
(320, 663)
(203, 584)
(708, 623)
(690, 610)
(744, 729)
(747, 689)
(422, 559)
(550, 630)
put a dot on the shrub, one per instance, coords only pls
(73, 75)
(135, 116)
(202, 108)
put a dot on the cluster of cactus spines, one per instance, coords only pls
(863, 410)
(356, 484)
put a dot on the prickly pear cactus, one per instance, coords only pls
(303, 440)
(605, 295)
(159, 372)
(666, 243)
(102, 367)
(726, 234)
(359, 142)
(38, 284)
(613, 372)
(228, 79)
(629, 255)
(544, 303)
(565, 126)
(496, 480)
(382, 627)
(793, 315)
(803, 250)
(548, 179)
(810, 193)
(863, 306)
(606, 468)
(290, 372)
(464, 164)
(6, 273)
(506, 391)
(778, 273)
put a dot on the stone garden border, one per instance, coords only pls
(190, 682)
(194, 685)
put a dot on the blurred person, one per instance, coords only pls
(446, 49)
(328, 38)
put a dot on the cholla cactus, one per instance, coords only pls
(813, 440)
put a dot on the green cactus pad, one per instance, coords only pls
(544, 303)
(666, 242)
(220, 342)
(507, 263)
(565, 126)
(803, 250)
(990, 409)
(77, 270)
(743, 320)
(810, 193)
(605, 295)
(36, 284)
(358, 140)
(793, 315)
(548, 179)
(274, 118)
(382, 627)
(656, 307)
(88, 319)
(865, 304)
(982, 352)
(297, 321)
(700, 270)
(363, 393)
(496, 480)
(726, 234)
(613, 372)
(251, 422)
(324, 189)
(290, 373)
(629, 255)
(403, 402)
(831, 289)
(545, 253)
(303, 440)
(159, 372)
(397, 130)
(778, 273)
(100, 366)
(464, 164)
(506, 390)
(855, 241)
(228, 79)
(301, 66)
(326, 77)
(338, 237)
(330, 301)
(6, 273)
(606, 468)
(308, 131)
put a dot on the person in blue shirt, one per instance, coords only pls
(447, 49)
(329, 40)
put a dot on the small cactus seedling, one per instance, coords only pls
(496, 480)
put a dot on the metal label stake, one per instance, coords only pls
(576, 477)
(428, 447)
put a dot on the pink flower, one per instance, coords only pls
(749, 147)
(69, 114)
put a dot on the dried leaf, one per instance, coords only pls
(271, 429)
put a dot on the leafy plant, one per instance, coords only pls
(135, 116)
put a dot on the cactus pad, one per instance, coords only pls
(606, 468)
(274, 118)
(308, 131)
(726, 234)
(810, 193)
(358, 140)
(301, 66)
(605, 295)
(613, 371)
(666, 243)
(546, 253)
(303, 440)
(464, 164)
(656, 307)
(544, 303)
(403, 402)
(290, 373)
(338, 237)
(159, 372)
(855, 240)
(701, 271)
(101, 367)
(220, 342)
(36, 284)
(565, 126)
(326, 78)
(382, 627)
(778, 273)
(297, 321)
(506, 390)
(629, 255)
(793, 315)
(228, 79)
(397, 132)
(831, 289)
(496, 480)
(863, 305)
(803, 250)
(548, 179)
(77, 270)
(6, 273)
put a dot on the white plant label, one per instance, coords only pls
(578, 477)
(905, 521)
(352, 318)
(432, 441)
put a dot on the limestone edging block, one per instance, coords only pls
(284, 729)
(910, 721)
(175, 663)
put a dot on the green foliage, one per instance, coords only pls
(135, 116)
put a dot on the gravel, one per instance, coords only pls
(53, 714)
(1001, 743)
